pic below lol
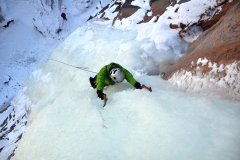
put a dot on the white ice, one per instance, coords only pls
(69, 122)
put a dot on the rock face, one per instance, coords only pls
(204, 21)
(215, 56)
(158, 7)
(206, 24)
(125, 10)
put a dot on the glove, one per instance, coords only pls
(138, 85)
(100, 94)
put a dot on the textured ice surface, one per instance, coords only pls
(69, 122)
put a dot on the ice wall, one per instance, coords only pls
(68, 121)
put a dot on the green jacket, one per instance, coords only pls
(104, 79)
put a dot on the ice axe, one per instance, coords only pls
(105, 99)
(147, 88)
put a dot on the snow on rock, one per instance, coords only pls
(204, 14)
(129, 13)
(202, 61)
(222, 81)
(211, 63)
(49, 22)
(14, 119)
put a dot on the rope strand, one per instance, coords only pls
(82, 68)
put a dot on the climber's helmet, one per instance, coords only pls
(117, 75)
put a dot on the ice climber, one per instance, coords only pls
(110, 74)
(63, 15)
